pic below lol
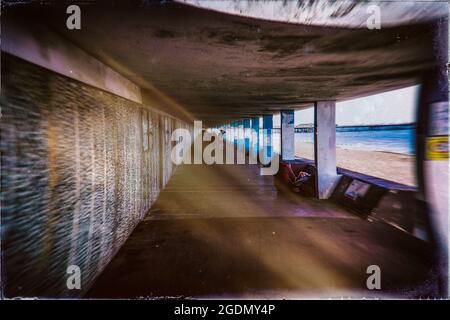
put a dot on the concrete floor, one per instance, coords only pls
(226, 231)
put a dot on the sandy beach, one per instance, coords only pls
(390, 166)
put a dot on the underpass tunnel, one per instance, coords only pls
(88, 179)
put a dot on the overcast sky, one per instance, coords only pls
(398, 106)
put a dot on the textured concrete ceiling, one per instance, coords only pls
(332, 13)
(215, 66)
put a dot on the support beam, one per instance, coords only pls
(240, 131)
(287, 135)
(230, 144)
(267, 136)
(231, 135)
(247, 133)
(240, 151)
(255, 136)
(235, 133)
(325, 147)
(432, 160)
(32, 44)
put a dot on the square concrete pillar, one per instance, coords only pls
(267, 137)
(235, 133)
(325, 147)
(255, 136)
(287, 135)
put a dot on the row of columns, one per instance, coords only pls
(324, 141)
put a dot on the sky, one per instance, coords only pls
(398, 106)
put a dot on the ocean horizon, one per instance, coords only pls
(399, 140)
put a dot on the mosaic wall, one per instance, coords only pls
(80, 168)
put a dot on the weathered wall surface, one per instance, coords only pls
(80, 168)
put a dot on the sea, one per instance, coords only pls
(385, 138)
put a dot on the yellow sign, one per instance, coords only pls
(437, 148)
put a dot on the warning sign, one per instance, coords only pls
(437, 148)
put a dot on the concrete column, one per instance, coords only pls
(235, 133)
(325, 147)
(287, 135)
(240, 128)
(230, 144)
(267, 136)
(247, 134)
(255, 136)
(231, 137)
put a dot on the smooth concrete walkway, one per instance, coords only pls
(226, 231)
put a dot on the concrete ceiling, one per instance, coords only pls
(216, 67)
